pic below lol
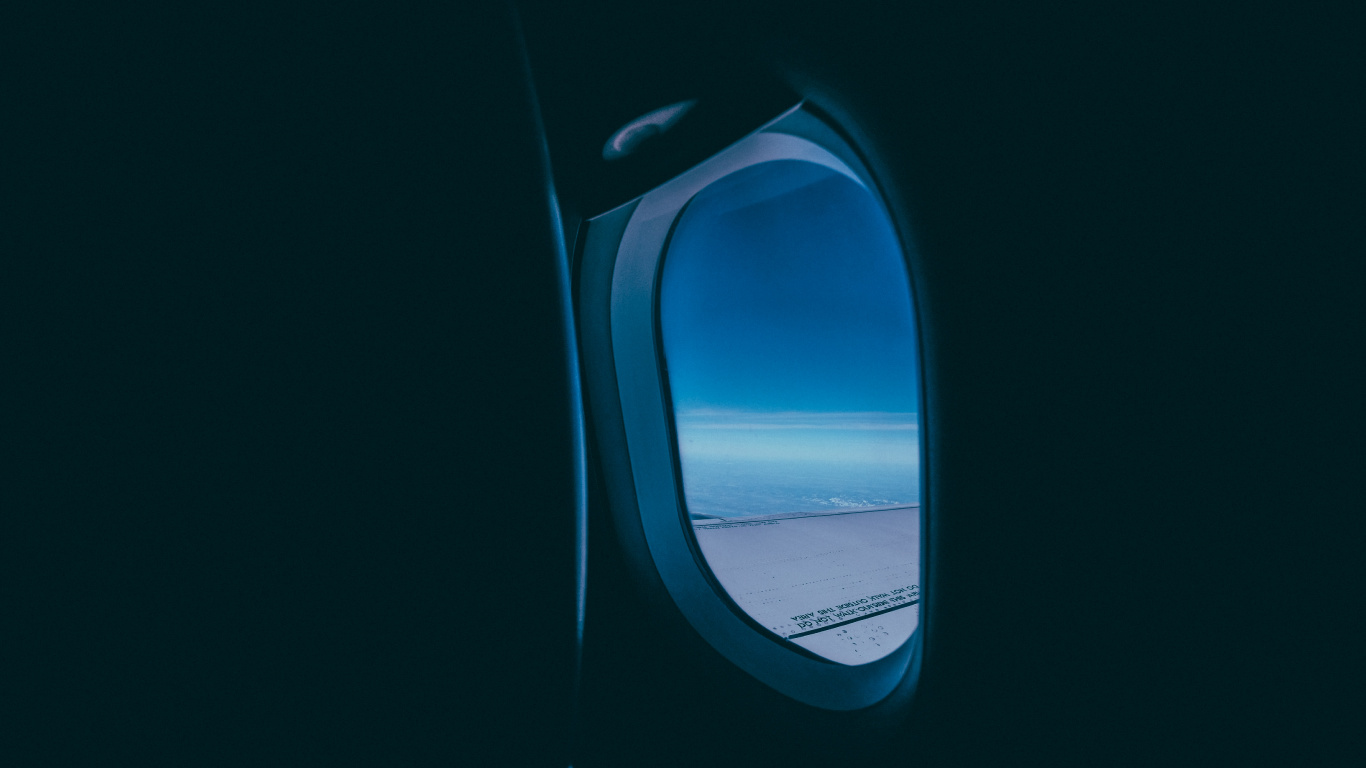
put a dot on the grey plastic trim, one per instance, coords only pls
(644, 407)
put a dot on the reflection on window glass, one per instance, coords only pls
(789, 342)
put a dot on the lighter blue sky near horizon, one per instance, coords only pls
(789, 336)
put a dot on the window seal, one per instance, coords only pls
(651, 459)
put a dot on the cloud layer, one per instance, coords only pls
(857, 421)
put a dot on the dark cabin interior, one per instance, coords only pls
(296, 455)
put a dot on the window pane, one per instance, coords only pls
(789, 341)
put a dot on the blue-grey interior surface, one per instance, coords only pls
(646, 422)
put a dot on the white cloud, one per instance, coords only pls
(859, 421)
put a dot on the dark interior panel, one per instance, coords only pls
(295, 449)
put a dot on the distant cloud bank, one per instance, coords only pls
(735, 419)
(807, 437)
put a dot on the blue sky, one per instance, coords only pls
(784, 290)
(787, 324)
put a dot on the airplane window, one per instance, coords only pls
(789, 342)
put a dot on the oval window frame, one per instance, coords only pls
(651, 443)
